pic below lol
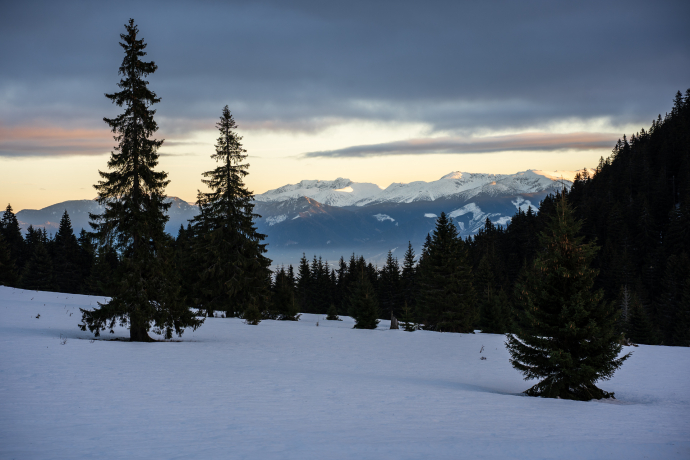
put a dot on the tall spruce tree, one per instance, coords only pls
(132, 193)
(566, 335)
(447, 299)
(235, 272)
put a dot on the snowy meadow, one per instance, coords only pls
(295, 390)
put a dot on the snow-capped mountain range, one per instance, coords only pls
(343, 192)
(338, 217)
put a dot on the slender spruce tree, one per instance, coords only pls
(235, 273)
(133, 194)
(566, 335)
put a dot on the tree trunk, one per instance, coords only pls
(394, 322)
(138, 333)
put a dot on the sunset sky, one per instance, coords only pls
(374, 91)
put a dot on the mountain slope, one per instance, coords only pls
(78, 210)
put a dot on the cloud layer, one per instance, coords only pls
(455, 145)
(303, 66)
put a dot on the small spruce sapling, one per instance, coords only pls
(332, 314)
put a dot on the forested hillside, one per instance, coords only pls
(636, 207)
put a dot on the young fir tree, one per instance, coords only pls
(407, 321)
(389, 287)
(407, 277)
(284, 303)
(101, 280)
(639, 329)
(68, 277)
(682, 326)
(566, 335)
(185, 263)
(87, 255)
(8, 270)
(234, 272)
(332, 314)
(9, 226)
(447, 299)
(304, 285)
(38, 271)
(494, 310)
(132, 193)
(252, 315)
(364, 307)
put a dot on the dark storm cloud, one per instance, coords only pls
(303, 66)
(451, 145)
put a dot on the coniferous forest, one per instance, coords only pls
(596, 266)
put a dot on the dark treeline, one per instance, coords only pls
(63, 262)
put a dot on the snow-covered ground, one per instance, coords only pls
(286, 390)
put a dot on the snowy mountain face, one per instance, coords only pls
(339, 192)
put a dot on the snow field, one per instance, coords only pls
(291, 390)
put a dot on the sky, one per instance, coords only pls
(382, 92)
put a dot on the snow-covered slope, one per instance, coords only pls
(339, 192)
(344, 192)
(291, 390)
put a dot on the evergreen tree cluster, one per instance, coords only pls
(162, 283)
(436, 293)
(44, 262)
